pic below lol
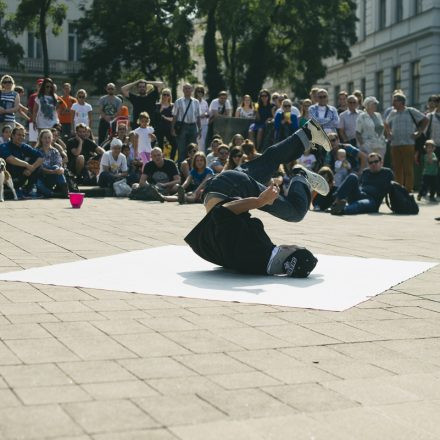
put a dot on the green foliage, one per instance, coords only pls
(11, 50)
(142, 38)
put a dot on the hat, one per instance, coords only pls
(116, 143)
(300, 263)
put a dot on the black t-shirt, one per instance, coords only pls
(144, 103)
(376, 185)
(160, 175)
(88, 147)
(233, 241)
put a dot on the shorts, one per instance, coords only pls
(257, 126)
(33, 134)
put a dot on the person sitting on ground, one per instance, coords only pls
(134, 166)
(430, 172)
(223, 153)
(6, 134)
(342, 167)
(324, 202)
(58, 144)
(23, 162)
(357, 158)
(186, 165)
(236, 141)
(249, 150)
(160, 175)
(121, 134)
(51, 179)
(143, 136)
(113, 166)
(80, 149)
(364, 195)
(235, 159)
(286, 120)
(307, 159)
(213, 155)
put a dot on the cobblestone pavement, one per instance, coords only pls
(89, 364)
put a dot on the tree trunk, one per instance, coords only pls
(213, 77)
(44, 7)
(233, 72)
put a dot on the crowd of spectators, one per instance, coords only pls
(168, 148)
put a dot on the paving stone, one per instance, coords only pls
(79, 316)
(219, 430)
(8, 399)
(171, 386)
(22, 331)
(63, 330)
(52, 394)
(234, 381)
(150, 434)
(352, 369)
(34, 375)
(166, 324)
(266, 360)
(66, 307)
(156, 367)
(37, 318)
(119, 390)
(213, 363)
(297, 335)
(315, 354)
(121, 327)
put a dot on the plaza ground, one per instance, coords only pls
(79, 364)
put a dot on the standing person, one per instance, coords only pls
(46, 104)
(64, 111)
(347, 121)
(33, 133)
(433, 131)
(326, 115)
(52, 171)
(143, 136)
(109, 106)
(145, 99)
(342, 101)
(370, 129)
(313, 95)
(246, 109)
(164, 116)
(360, 98)
(304, 113)
(264, 114)
(9, 101)
(199, 93)
(81, 111)
(432, 104)
(403, 125)
(430, 172)
(186, 121)
(113, 165)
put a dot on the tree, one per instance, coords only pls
(282, 40)
(36, 15)
(145, 38)
(12, 51)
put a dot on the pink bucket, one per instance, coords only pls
(76, 199)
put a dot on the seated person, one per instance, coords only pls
(52, 177)
(80, 149)
(134, 166)
(213, 155)
(307, 159)
(186, 165)
(6, 134)
(249, 150)
(223, 153)
(121, 134)
(285, 120)
(358, 196)
(113, 166)
(235, 159)
(23, 162)
(160, 172)
(323, 202)
(357, 158)
(342, 167)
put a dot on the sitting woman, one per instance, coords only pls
(223, 153)
(285, 122)
(246, 109)
(235, 159)
(265, 113)
(236, 141)
(320, 202)
(52, 176)
(249, 150)
(186, 165)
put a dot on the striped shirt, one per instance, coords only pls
(7, 101)
(193, 112)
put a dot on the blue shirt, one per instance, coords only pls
(279, 115)
(199, 177)
(329, 121)
(23, 152)
(376, 185)
(352, 157)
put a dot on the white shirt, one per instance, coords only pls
(193, 113)
(216, 106)
(307, 161)
(81, 115)
(47, 115)
(204, 108)
(116, 166)
(144, 141)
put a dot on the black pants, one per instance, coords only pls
(165, 132)
(103, 128)
(26, 182)
(429, 184)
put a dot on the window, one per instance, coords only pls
(382, 14)
(363, 19)
(399, 10)
(418, 6)
(34, 46)
(397, 77)
(336, 94)
(379, 87)
(415, 83)
(350, 87)
(74, 48)
(363, 86)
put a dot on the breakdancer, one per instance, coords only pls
(228, 236)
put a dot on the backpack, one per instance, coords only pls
(400, 201)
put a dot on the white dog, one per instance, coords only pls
(5, 177)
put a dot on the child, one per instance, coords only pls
(429, 173)
(342, 167)
(143, 135)
(307, 160)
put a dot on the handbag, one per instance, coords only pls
(179, 124)
(420, 140)
(121, 188)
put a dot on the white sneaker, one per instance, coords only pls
(317, 182)
(319, 136)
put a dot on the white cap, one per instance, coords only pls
(116, 143)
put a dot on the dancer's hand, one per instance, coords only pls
(269, 195)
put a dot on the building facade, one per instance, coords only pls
(398, 47)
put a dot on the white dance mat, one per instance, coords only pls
(337, 283)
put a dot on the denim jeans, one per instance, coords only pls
(358, 201)
(251, 178)
(47, 182)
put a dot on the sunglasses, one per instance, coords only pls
(287, 106)
(7, 82)
(166, 94)
(81, 96)
(264, 96)
(351, 102)
(373, 162)
(223, 152)
(322, 96)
